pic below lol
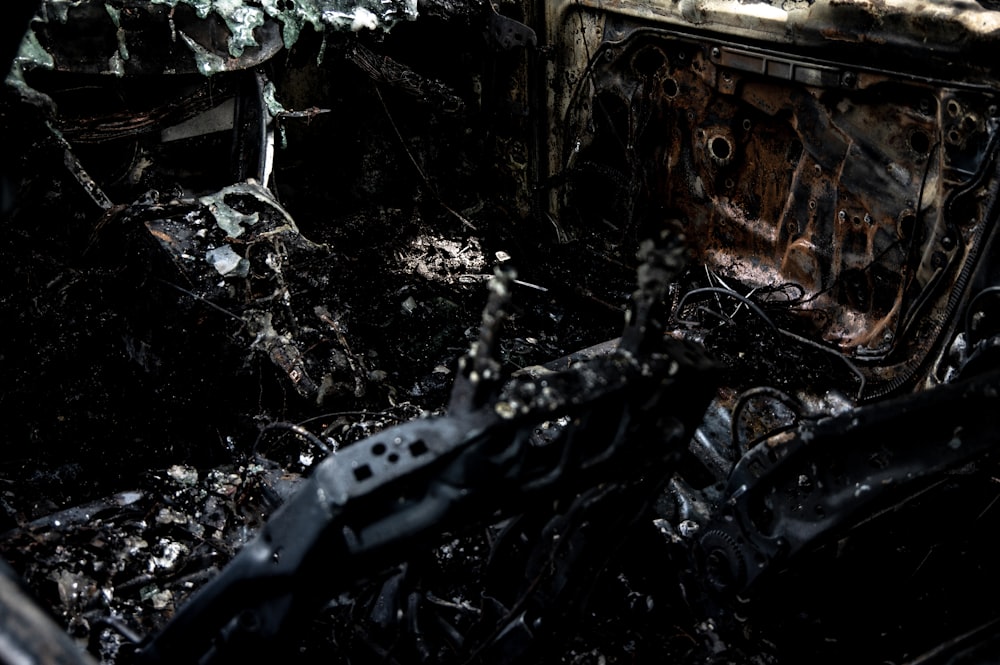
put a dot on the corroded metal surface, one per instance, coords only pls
(859, 193)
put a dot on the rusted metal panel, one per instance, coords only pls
(836, 177)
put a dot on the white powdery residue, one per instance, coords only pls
(116, 66)
(363, 19)
(223, 259)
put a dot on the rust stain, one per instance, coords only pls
(833, 187)
(161, 236)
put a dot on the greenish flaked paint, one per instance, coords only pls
(33, 54)
(30, 55)
(116, 63)
(59, 9)
(207, 62)
(274, 108)
(292, 21)
(241, 19)
(228, 218)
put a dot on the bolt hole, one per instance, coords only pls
(953, 107)
(378, 449)
(648, 61)
(669, 87)
(920, 142)
(747, 124)
(720, 148)
(393, 458)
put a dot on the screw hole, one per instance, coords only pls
(720, 148)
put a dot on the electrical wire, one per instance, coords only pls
(295, 429)
(766, 319)
(729, 294)
(826, 349)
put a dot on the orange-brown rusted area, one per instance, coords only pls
(784, 172)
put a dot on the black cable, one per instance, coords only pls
(760, 312)
(295, 429)
(731, 294)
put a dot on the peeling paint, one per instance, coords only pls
(207, 62)
(115, 15)
(241, 19)
(33, 54)
(229, 220)
(253, 30)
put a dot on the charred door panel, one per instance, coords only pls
(841, 180)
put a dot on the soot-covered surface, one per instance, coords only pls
(149, 396)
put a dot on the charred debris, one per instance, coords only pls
(458, 332)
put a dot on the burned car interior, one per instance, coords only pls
(461, 331)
